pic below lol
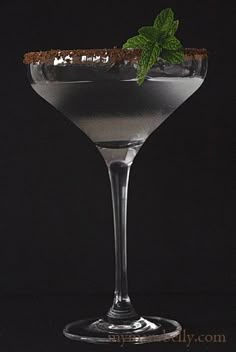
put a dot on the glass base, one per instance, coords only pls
(144, 330)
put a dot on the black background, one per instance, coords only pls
(56, 219)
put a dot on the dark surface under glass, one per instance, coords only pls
(34, 323)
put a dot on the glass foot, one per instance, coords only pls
(144, 330)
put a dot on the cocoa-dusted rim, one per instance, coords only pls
(94, 55)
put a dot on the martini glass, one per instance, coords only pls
(97, 90)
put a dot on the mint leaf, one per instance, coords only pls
(164, 20)
(172, 43)
(173, 56)
(162, 37)
(149, 32)
(157, 41)
(174, 27)
(149, 57)
(137, 42)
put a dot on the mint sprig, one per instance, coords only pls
(157, 41)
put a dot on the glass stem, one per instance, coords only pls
(122, 309)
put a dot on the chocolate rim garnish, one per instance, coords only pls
(114, 55)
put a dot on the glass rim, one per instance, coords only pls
(114, 55)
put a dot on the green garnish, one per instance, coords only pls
(157, 41)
